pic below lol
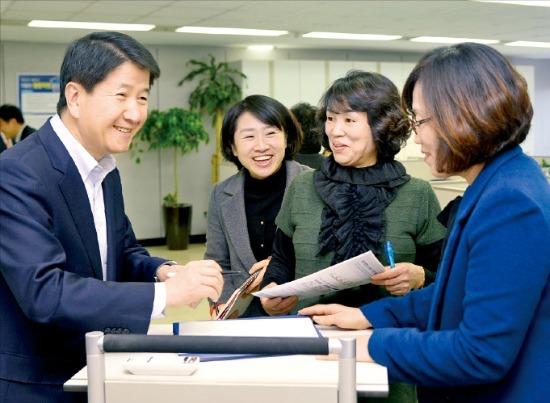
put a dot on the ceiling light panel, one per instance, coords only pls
(90, 25)
(230, 31)
(529, 44)
(357, 37)
(537, 3)
(443, 39)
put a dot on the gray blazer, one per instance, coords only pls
(227, 240)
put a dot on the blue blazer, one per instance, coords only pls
(481, 332)
(51, 286)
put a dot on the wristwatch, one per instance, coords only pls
(167, 263)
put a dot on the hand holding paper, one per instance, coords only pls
(278, 306)
(347, 274)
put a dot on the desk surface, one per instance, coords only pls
(269, 379)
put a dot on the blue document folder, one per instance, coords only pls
(276, 326)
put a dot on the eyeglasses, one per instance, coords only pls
(416, 123)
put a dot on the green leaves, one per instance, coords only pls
(217, 87)
(176, 128)
(171, 200)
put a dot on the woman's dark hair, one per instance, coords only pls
(90, 59)
(305, 114)
(478, 103)
(361, 91)
(267, 110)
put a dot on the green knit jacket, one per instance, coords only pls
(410, 221)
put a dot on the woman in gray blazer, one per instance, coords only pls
(260, 136)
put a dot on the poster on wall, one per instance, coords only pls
(38, 96)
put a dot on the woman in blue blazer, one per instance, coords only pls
(480, 332)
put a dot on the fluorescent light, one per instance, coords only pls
(529, 44)
(355, 37)
(443, 39)
(260, 48)
(90, 25)
(519, 3)
(230, 31)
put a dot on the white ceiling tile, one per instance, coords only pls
(405, 18)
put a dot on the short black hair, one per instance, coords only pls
(268, 110)
(90, 59)
(375, 94)
(9, 112)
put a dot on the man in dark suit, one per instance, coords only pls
(70, 262)
(12, 126)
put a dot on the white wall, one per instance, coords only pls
(308, 72)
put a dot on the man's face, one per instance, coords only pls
(9, 128)
(109, 117)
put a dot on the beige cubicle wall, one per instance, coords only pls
(445, 189)
(448, 189)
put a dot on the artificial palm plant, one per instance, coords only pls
(218, 87)
(181, 131)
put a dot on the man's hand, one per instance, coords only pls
(192, 282)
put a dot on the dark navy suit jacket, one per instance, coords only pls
(51, 286)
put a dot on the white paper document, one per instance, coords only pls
(347, 274)
(278, 326)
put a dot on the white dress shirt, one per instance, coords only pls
(93, 173)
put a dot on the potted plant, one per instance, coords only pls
(217, 89)
(181, 131)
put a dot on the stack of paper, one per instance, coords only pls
(347, 274)
(275, 326)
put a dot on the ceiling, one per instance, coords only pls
(465, 19)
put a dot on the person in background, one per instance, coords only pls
(309, 153)
(480, 333)
(360, 198)
(70, 260)
(12, 126)
(260, 136)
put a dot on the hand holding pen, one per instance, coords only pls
(402, 277)
(389, 254)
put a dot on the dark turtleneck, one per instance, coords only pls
(262, 200)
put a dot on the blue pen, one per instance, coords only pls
(389, 254)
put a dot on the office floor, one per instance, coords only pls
(195, 251)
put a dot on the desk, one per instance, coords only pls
(286, 379)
